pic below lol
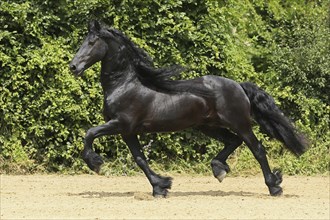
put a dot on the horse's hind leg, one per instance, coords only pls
(273, 180)
(160, 184)
(231, 141)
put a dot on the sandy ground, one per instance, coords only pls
(192, 197)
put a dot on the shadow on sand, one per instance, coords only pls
(176, 194)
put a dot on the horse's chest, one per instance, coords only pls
(112, 107)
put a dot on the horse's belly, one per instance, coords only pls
(175, 116)
(166, 125)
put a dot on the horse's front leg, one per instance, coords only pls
(160, 184)
(92, 159)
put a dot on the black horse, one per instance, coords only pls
(140, 98)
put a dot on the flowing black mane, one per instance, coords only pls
(159, 79)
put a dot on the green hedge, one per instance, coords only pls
(283, 46)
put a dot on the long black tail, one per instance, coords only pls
(272, 121)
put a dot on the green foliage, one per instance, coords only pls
(279, 45)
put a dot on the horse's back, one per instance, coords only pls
(218, 82)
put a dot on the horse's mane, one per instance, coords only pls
(159, 79)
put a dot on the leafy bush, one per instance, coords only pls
(45, 111)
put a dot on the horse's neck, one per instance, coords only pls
(113, 77)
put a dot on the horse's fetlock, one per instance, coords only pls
(85, 154)
(90, 133)
(274, 179)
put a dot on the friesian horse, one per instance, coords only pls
(140, 98)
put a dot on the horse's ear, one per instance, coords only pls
(94, 26)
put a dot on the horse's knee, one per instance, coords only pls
(90, 134)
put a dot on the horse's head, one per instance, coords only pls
(93, 49)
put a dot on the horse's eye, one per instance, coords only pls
(92, 42)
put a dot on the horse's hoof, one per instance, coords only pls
(221, 175)
(273, 182)
(159, 192)
(97, 164)
(97, 169)
(276, 191)
(219, 170)
(160, 189)
(160, 196)
(94, 161)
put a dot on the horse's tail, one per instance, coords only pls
(272, 121)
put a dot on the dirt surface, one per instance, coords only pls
(191, 197)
